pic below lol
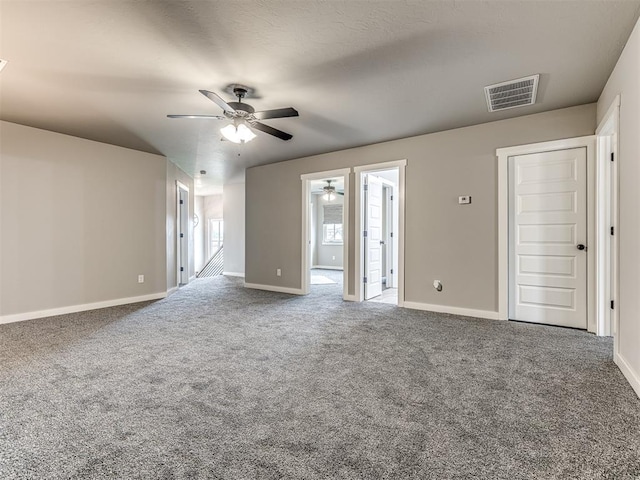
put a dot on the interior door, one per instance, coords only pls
(548, 233)
(373, 227)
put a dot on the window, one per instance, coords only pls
(332, 224)
(332, 233)
(216, 235)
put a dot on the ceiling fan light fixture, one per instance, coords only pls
(329, 191)
(237, 133)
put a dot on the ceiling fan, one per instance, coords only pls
(328, 191)
(244, 117)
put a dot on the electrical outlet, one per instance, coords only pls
(333, 258)
(464, 200)
(437, 285)
(140, 278)
(278, 272)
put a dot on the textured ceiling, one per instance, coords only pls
(359, 72)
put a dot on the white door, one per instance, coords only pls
(372, 247)
(548, 236)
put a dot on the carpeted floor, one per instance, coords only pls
(218, 381)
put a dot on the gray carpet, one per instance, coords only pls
(219, 381)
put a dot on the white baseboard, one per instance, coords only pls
(233, 274)
(327, 267)
(19, 317)
(465, 312)
(172, 290)
(275, 288)
(632, 377)
(191, 279)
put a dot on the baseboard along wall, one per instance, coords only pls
(21, 317)
(632, 377)
(274, 288)
(465, 312)
(233, 274)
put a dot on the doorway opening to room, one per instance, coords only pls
(380, 229)
(325, 233)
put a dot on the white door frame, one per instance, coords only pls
(589, 142)
(359, 221)
(390, 188)
(607, 212)
(305, 274)
(181, 186)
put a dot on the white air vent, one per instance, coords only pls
(511, 94)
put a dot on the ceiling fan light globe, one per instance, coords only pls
(237, 134)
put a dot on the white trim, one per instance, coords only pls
(20, 317)
(233, 274)
(615, 105)
(607, 216)
(465, 312)
(172, 290)
(328, 173)
(380, 166)
(376, 167)
(181, 186)
(305, 272)
(588, 142)
(632, 377)
(327, 267)
(350, 298)
(192, 278)
(274, 288)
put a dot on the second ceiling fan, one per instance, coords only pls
(244, 116)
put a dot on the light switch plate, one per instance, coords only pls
(464, 199)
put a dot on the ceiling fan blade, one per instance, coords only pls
(271, 131)
(215, 98)
(217, 117)
(276, 113)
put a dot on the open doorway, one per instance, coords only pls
(325, 233)
(380, 224)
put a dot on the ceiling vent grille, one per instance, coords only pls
(512, 94)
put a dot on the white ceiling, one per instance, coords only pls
(359, 72)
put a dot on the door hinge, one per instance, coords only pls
(391, 234)
(366, 187)
(392, 198)
(182, 235)
(364, 280)
(612, 156)
(181, 202)
(612, 304)
(182, 269)
(364, 233)
(611, 230)
(392, 271)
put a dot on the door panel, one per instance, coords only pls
(373, 249)
(548, 220)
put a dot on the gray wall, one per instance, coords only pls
(234, 228)
(173, 174)
(625, 80)
(80, 220)
(455, 244)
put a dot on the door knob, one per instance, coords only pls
(581, 247)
